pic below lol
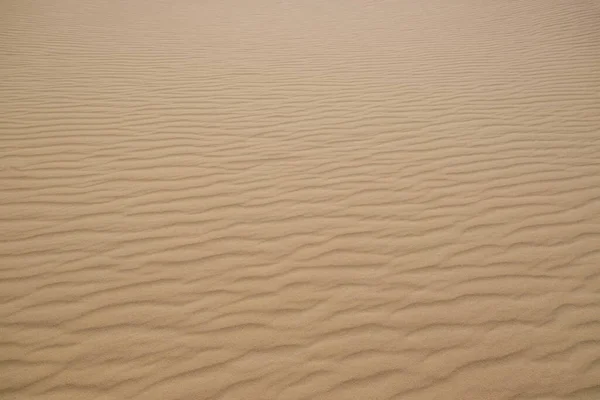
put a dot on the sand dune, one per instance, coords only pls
(300, 199)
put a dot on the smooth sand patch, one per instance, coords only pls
(300, 199)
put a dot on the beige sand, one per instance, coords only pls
(279, 199)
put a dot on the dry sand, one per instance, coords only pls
(290, 200)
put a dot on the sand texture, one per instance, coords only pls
(300, 200)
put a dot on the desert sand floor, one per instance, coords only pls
(279, 199)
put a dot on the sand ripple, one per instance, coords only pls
(300, 199)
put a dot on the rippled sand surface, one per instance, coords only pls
(291, 200)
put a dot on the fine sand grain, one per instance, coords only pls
(300, 200)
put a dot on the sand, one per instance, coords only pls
(295, 200)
